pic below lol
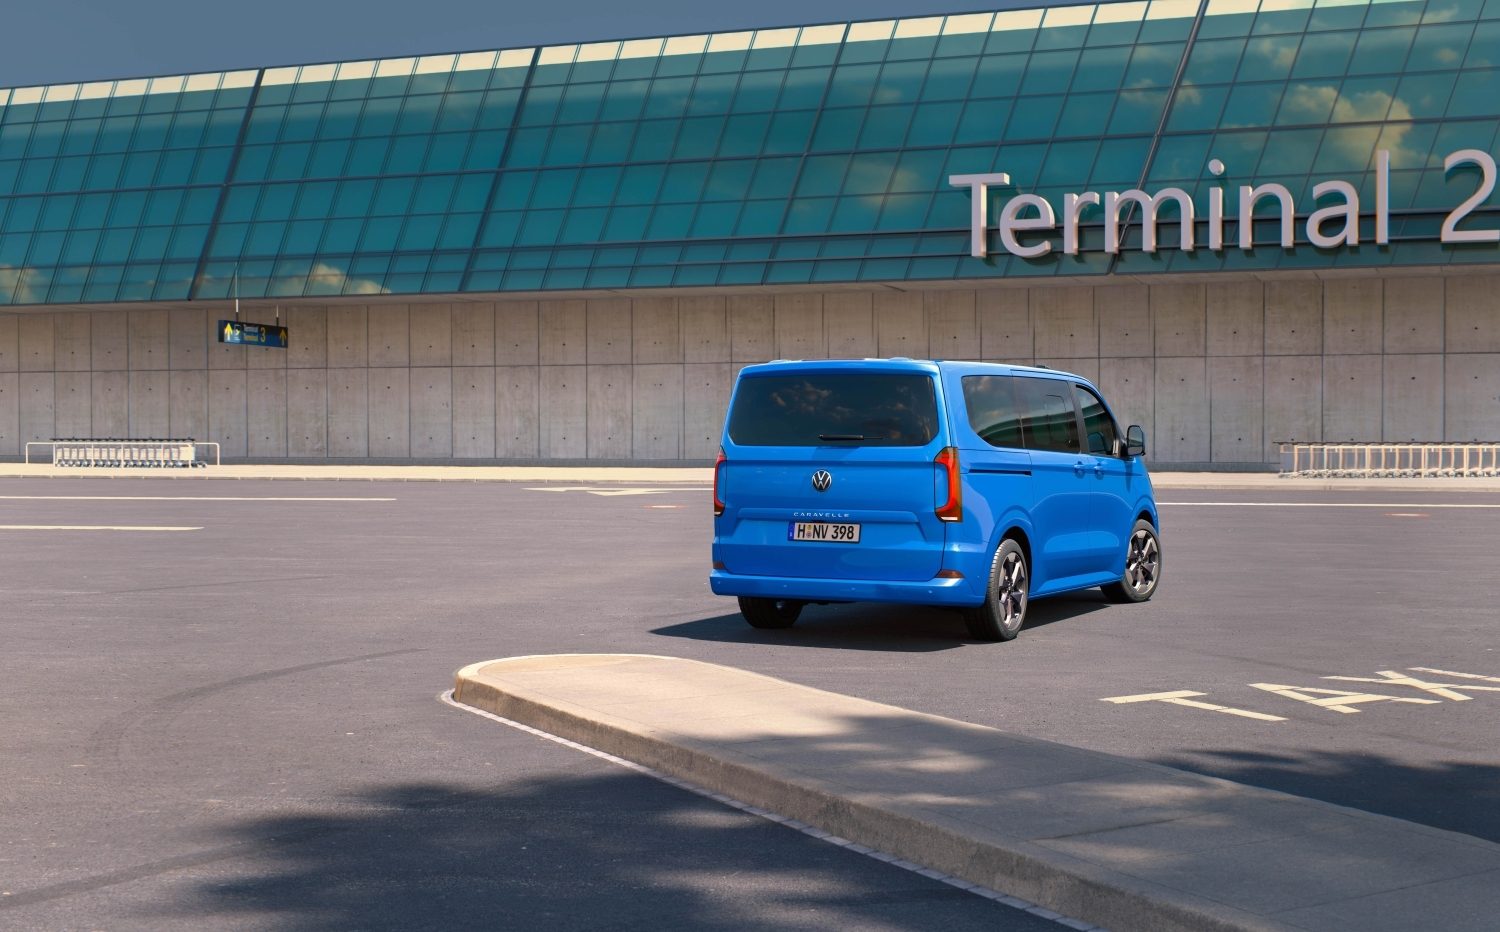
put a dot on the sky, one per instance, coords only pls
(66, 41)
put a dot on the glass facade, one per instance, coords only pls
(805, 155)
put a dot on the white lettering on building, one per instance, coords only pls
(1333, 224)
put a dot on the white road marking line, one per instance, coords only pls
(608, 491)
(90, 527)
(1014, 902)
(1336, 700)
(1462, 676)
(1324, 505)
(1396, 678)
(180, 498)
(1184, 697)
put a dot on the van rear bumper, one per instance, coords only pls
(952, 592)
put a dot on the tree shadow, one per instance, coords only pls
(623, 851)
(873, 626)
(618, 851)
(1459, 796)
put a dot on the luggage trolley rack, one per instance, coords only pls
(1389, 460)
(147, 452)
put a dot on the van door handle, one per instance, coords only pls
(1098, 471)
(1078, 468)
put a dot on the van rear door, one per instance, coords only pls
(829, 473)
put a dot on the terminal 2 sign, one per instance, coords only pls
(1327, 227)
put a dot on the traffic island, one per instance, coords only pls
(1120, 843)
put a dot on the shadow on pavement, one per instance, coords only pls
(609, 852)
(871, 626)
(1459, 796)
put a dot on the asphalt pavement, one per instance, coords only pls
(238, 727)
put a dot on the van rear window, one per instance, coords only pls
(834, 409)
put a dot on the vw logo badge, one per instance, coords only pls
(822, 479)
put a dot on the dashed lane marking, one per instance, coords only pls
(91, 527)
(607, 491)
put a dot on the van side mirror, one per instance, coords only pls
(1135, 441)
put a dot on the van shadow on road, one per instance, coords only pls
(869, 626)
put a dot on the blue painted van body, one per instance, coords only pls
(1072, 510)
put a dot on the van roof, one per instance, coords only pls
(904, 364)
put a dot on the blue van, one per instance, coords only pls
(971, 485)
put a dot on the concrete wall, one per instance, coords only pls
(1216, 370)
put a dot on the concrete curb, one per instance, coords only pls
(1051, 879)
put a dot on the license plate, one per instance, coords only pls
(822, 532)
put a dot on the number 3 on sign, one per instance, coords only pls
(1486, 162)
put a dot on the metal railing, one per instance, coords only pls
(1389, 460)
(115, 452)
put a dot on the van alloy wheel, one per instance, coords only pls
(1003, 612)
(1143, 564)
(1012, 590)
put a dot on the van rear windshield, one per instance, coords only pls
(834, 409)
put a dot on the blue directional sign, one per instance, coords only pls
(233, 331)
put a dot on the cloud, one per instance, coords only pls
(1162, 55)
(21, 285)
(1317, 103)
(338, 281)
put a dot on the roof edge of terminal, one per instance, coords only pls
(147, 84)
(689, 291)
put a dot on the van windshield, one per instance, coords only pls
(834, 409)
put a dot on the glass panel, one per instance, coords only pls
(1268, 58)
(1047, 416)
(1324, 55)
(817, 409)
(993, 411)
(1440, 47)
(1049, 72)
(1474, 96)
(1100, 433)
(1381, 50)
(1101, 69)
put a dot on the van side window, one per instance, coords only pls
(991, 400)
(1099, 428)
(1047, 414)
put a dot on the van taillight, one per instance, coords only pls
(953, 508)
(718, 502)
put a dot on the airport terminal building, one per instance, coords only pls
(1248, 221)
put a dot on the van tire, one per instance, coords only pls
(1006, 596)
(770, 613)
(1142, 566)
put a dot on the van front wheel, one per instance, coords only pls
(770, 613)
(1000, 617)
(1142, 566)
